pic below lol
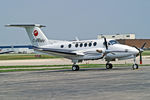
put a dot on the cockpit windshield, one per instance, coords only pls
(112, 42)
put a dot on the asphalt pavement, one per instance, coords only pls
(120, 83)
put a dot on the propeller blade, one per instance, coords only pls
(140, 52)
(143, 45)
(105, 43)
(137, 48)
(140, 58)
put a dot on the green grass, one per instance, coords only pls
(32, 66)
(14, 70)
(65, 67)
(24, 56)
(146, 53)
(81, 65)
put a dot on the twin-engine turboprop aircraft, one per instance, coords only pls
(77, 51)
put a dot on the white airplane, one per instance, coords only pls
(4, 52)
(78, 51)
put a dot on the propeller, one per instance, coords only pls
(105, 43)
(140, 52)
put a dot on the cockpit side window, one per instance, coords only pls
(112, 42)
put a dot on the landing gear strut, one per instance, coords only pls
(135, 66)
(109, 65)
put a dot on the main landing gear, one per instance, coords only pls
(109, 65)
(75, 67)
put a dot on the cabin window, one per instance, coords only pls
(69, 46)
(81, 45)
(95, 43)
(85, 44)
(90, 44)
(62, 46)
(76, 45)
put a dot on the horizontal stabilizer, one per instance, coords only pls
(24, 25)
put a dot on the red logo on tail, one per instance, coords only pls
(35, 33)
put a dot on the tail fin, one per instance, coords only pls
(35, 33)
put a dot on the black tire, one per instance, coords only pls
(135, 66)
(109, 66)
(75, 68)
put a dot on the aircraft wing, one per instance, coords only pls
(58, 51)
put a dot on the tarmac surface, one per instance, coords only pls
(120, 83)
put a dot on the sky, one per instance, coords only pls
(67, 19)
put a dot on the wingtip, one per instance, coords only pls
(7, 25)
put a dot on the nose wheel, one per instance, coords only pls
(75, 67)
(109, 66)
(135, 66)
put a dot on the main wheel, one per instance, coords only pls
(135, 66)
(75, 67)
(109, 66)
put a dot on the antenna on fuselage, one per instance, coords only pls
(77, 39)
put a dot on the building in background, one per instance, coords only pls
(117, 36)
(23, 49)
(128, 39)
(135, 42)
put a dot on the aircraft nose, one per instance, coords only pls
(135, 51)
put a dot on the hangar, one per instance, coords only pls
(118, 36)
(18, 49)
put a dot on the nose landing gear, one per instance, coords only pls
(135, 66)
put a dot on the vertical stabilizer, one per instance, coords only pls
(35, 33)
